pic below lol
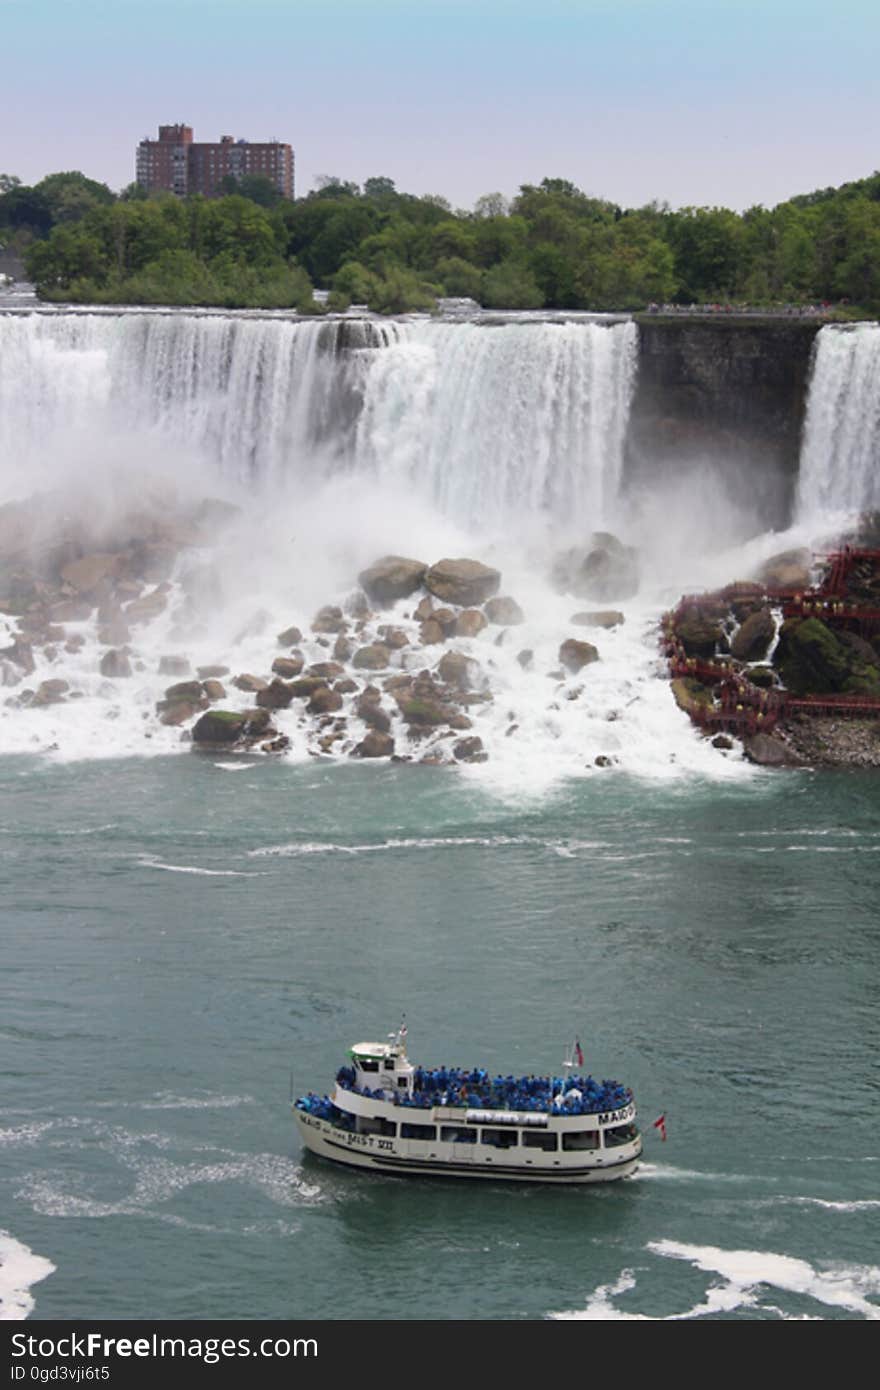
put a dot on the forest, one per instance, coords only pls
(550, 247)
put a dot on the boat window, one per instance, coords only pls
(621, 1134)
(418, 1131)
(371, 1124)
(457, 1134)
(368, 1066)
(499, 1138)
(543, 1140)
(580, 1139)
(401, 1081)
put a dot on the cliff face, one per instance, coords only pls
(722, 400)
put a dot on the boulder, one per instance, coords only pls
(288, 666)
(470, 622)
(324, 701)
(691, 696)
(372, 713)
(71, 610)
(177, 712)
(327, 670)
(788, 570)
(603, 617)
(214, 690)
(424, 608)
(574, 655)
(20, 654)
(423, 712)
(469, 750)
(305, 686)
(466, 583)
(249, 683)
(752, 640)
(174, 666)
(115, 664)
(329, 619)
(144, 610)
(290, 637)
(346, 686)
(762, 676)
(722, 741)
(504, 611)
(525, 658)
(392, 578)
(700, 635)
(768, 751)
(376, 744)
(343, 648)
(184, 690)
(602, 760)
(393, 637)
(457, 670)
(372, 658)
(220, 726)
(431, 633)
(115, 633)
(607, 570)
(204, 672)
(50, 692)
(811, 659)
(85, 574)
(276, 695)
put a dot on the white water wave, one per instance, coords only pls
(20, 1269)
(148, 862)
(744, 1280)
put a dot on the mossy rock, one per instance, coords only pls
(762, 676)
(691, 695)
(811, 659)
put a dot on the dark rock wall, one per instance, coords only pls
(722, 401)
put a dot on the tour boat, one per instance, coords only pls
(389, 1116)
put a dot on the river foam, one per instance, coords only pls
(20, 1269)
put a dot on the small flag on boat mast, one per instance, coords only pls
(660, 1123)
(578, 1052)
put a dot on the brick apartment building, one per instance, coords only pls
(177, 164)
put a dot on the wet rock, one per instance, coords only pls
(276, 745)
(329, 619)
(446, 617)
(603, 617)
(21, 655)
(700, 634)
(206, 672)
(504, 611)
(608, 570)
(393, 637)
(372, 658)
(392, 578)
(71, 611)
(469, 750)
(290, 637)
(50, 692)
(115, 665)
(691, 696)
(184, 690)
(249, 683)
(752, 639)
(762, 676)
(324, 700)
(85, 574)
(788, 570)
(305, 686)
(327, 670)
(424, 609)
(371, 712)
(220, 726)
(174, 666)
(723, 742)
(525, 658)
(812, 659)
(288, 666)
(177, 712)
(768, 751)
(574, 655)
(431, 633)
(375, 744)
(347, 686)
(343, 648)
(466, 583)
(276, 695)
(457, 670)
(214, 690)
(356, 605)
(602, 760)
(144, 610)
(115, 633)
(470, 622)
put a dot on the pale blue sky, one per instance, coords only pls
(692, 101)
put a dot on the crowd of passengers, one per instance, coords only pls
(323, 1108)
(476, 1090)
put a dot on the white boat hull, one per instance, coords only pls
(423, 1159)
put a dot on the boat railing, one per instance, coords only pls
(455, 1089)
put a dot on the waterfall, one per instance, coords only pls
(485, 423)
(841, 446)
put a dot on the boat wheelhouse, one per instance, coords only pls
(387, 1115)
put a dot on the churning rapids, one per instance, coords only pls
(344, 440)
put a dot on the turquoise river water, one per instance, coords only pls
(182, 943)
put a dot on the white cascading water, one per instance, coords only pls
(839, 472)
(342, 441)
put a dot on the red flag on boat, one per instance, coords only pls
(578, 1052)
(660, 1124)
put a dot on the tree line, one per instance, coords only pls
(552, 246)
